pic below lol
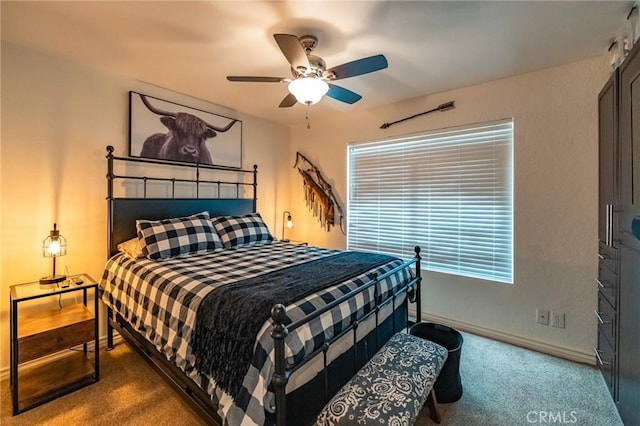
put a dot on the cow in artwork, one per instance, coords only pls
(186, 139)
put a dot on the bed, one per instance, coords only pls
(302, 333)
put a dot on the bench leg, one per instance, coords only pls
(432, 402)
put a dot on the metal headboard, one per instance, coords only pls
(124, 211)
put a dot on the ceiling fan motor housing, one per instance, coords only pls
(318, 67)
(308, 42)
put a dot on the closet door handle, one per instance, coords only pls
(609, 230)
(600, 319)
(611, 224)
(600, 284)
(597, 352)
(601, 257)
(607, 238)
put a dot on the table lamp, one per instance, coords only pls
(289, 223)
(53, 246)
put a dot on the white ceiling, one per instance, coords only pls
(190, 47)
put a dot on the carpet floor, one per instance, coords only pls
(503, 385)
(506, 385)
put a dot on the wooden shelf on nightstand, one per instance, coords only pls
(44, 382)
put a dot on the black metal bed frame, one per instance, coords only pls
(123, 213)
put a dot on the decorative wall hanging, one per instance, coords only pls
(168, 131)
(318, 195)
(442, 107)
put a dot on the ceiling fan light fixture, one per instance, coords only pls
(308, 90)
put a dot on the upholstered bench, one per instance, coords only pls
(392, 387)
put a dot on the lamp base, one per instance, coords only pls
(51, 281)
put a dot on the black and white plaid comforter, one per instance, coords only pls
(160, 299)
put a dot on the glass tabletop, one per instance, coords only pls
(32, 290)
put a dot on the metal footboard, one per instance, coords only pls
(280, 330)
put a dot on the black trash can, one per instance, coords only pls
(448, 386)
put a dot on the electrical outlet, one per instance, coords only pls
(557, 320)
(542, 316)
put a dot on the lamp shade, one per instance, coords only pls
(308, 90)
(288, 223)
(54, 245)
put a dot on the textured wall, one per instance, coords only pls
(57, 119)
(555, 200)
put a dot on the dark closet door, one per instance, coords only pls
(607, 138)
(629, 247)
(629, 343)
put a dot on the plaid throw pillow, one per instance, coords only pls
(235, 231)
(167, 238)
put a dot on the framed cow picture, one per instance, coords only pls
(169, 131)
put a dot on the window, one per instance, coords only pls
(448, 191)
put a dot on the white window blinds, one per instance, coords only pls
(447, 191)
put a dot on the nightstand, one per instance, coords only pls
(40, 333)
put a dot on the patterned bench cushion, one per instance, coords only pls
(391, 388)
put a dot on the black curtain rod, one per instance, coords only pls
(442, 107)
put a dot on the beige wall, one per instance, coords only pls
(555, 200)
(57, 119)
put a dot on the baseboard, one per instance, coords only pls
(547, 348)
(4, 371)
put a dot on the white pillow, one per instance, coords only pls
(132, 248)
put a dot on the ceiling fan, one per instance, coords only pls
(311, 78)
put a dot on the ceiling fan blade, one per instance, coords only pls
(292, 50)
(288, 101)
(343, 95)
(256, 79)
(359, 67)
